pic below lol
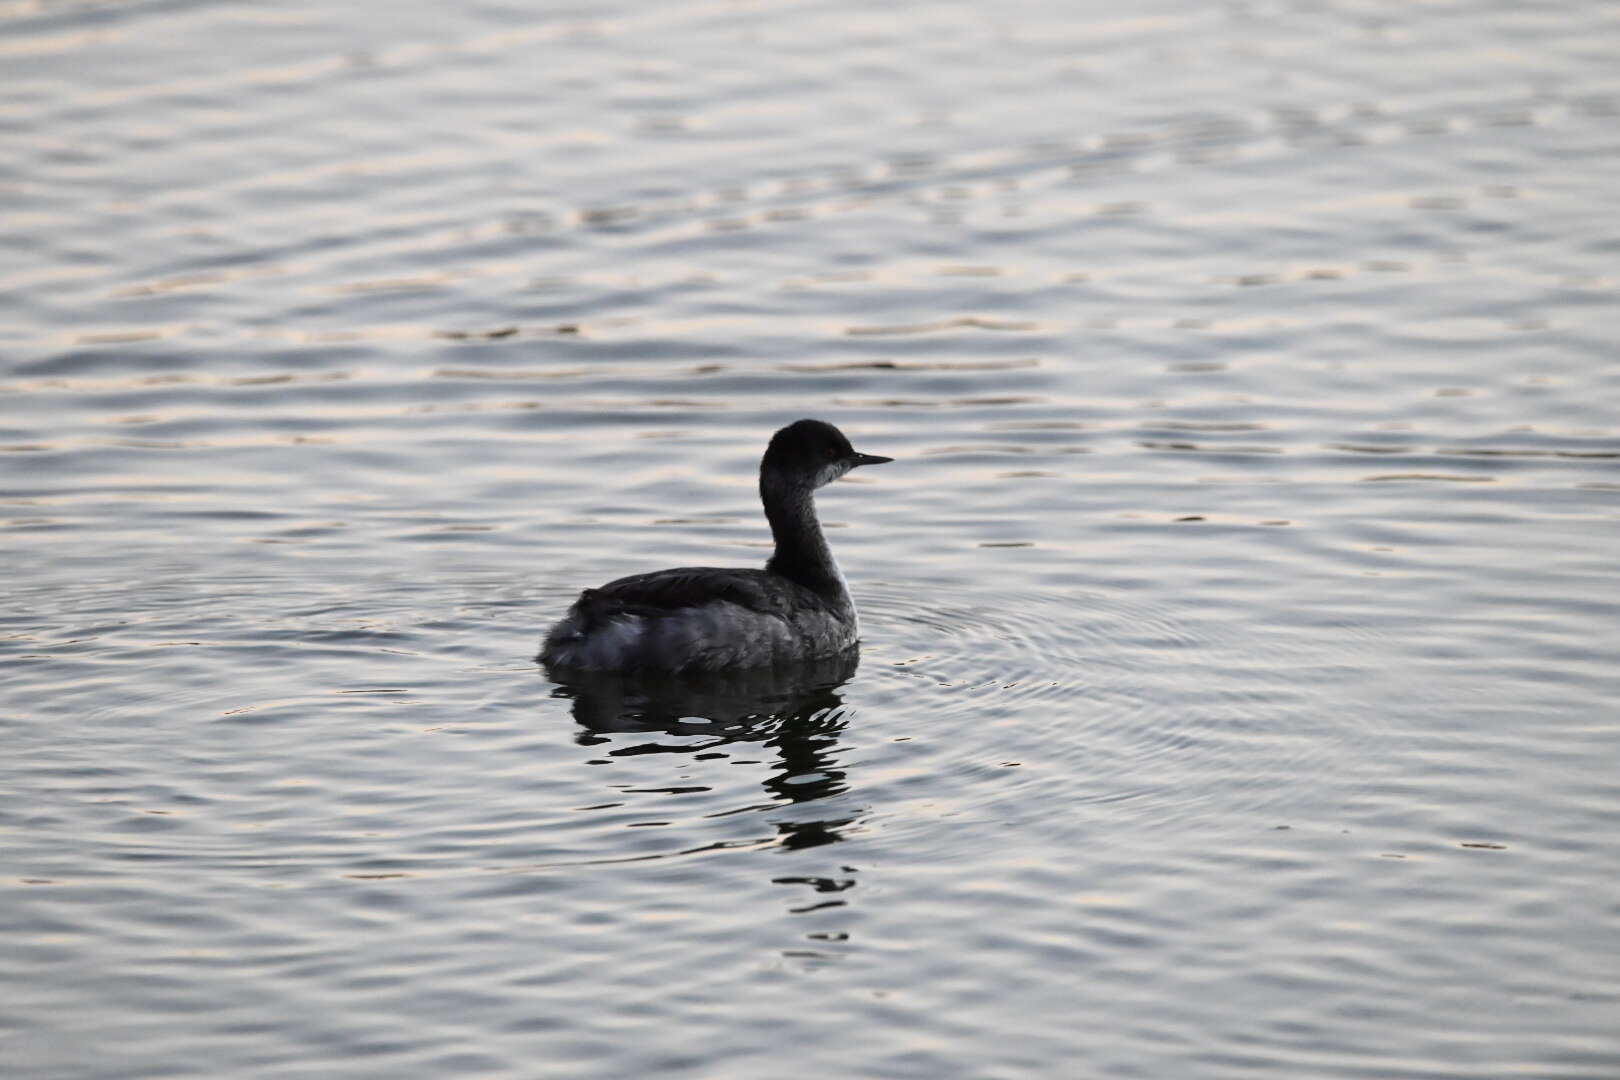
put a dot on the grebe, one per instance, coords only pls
(704, 618)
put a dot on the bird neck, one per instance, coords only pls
(802, 554)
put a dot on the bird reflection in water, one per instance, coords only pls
(795, 711)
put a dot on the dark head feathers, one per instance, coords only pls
(813, 449)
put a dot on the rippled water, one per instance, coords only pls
(1239, 677)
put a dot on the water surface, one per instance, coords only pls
(1239, 673)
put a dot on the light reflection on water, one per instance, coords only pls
(1238, 660)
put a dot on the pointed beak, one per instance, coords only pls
(869, 459)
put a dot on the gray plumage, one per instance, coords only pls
(704, 618)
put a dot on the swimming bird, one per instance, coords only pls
(703, 618)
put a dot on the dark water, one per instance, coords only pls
(1239, 687)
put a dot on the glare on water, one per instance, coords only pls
(1237, 679)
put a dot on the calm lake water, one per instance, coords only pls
(1240, 690)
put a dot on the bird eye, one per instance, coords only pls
(832, 453)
